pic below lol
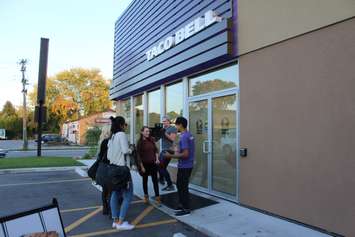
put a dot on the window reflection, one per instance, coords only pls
(153, 108)
(214, 81)
(224, 146)
(125, 111)
(174, 100)
(138, 113)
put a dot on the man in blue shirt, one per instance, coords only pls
(186, 156)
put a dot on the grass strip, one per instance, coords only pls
(37, 162)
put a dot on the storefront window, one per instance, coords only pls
(153, 108)
(214, 81)
(124, 110)
(138, 113)
(174, 100)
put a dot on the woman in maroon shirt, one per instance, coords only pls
(149, 159)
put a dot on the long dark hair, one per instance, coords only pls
(117, 124)
(140, 140)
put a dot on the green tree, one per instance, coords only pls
(8, 109)
(92, 136)
(213, 85)
(74, 93)
(10, 120)
(31, 125)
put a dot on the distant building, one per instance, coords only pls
(2, 133)
(75, 131)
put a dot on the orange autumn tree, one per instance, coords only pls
(74, 93)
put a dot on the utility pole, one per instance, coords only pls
(24, 81)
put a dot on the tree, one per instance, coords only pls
(8, 109)
(31, 125)
(74, 93)
(87, 89)
(216, 84)
(10, 120)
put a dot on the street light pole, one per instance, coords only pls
(41, 91)
(24, 92)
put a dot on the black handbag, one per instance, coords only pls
(93, 169)
(113, 177)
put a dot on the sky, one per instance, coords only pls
(80, 33)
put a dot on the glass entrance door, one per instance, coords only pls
(198, 114)
(213, 122)
(224, 144)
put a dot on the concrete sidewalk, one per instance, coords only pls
(228, 219)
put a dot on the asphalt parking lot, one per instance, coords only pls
(80, 205)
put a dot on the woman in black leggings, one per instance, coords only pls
(149, 159)
(102, 156)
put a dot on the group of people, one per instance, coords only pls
(115, 150)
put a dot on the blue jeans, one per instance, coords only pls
(121, 211)
(163, 172)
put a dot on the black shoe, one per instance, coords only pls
(184, 212)
(169, 188)
(105, 209)
(178, 208)
(105, 212)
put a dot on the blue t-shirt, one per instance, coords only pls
(187, 141)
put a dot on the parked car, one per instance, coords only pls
(54, 139)
(3, 153)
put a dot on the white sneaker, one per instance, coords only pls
(114, 225)
(125, 226)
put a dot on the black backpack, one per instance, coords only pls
(113, 177)
(93, 170)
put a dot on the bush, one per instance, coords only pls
(86, 156)
(92, 151)
(92, 136)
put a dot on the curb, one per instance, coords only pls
(82, 171)
(45, 169)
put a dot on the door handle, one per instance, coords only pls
(204, 146)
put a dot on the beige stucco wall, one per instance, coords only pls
(263, 22)
(297, 119)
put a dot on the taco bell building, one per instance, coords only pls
(268, 89)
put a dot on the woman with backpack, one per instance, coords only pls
(148, 157)
(117, 155)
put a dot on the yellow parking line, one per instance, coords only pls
(104, 232)
(46, 182)
(79, 209)
(142, 215)
(138, 201)
(97, 233)
(94, 207)
(82, 220)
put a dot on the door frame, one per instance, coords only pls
(209, 97)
